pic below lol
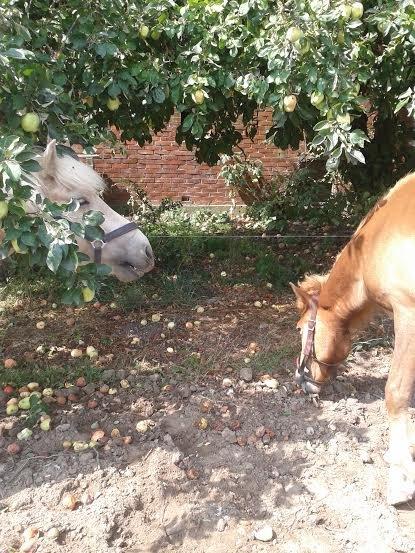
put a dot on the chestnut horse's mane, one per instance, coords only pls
(311, 284)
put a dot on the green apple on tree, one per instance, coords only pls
(294, 34)
(30, 122)
(4, 209)
(357, 10)
(290, 103)
(143, 31)
(317, 98)
(113, 104)
(198, 96)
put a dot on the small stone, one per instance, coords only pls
(89, 389)
(227, 383)
(366, 458)
(40, 325)
(264, 534)
(142, 426)
(124, 384)
(229, 435)
(155, 318)
(170, 350)
(271, 383)
(246, 374)
(260, 432)
(221, 525)
(310, 431)
(258, 304)
(52, 533)
(80, 382)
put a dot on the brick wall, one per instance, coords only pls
(165, 169)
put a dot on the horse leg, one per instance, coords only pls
(398, 394)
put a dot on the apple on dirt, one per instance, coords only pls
(88, 294)
(30, 122)
(113, 104)
(290, 103)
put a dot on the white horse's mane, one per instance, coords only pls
(76, 176)
(67, 172)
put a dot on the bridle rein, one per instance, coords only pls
(308, 352)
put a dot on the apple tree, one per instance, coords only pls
(339, 74)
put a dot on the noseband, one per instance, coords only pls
(309, 351)
(97, 245)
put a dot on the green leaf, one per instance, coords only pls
(103, 270)
(28, 239)
(54, 256)
(158, 95)
(93, 218)
(31, 166)
(188, 122)
(18, 53)
(12, 168)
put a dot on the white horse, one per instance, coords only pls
(124, 247)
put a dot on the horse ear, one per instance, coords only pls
(49, 159)
(303, 299)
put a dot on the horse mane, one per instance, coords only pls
(311, 284)
(72, 175)
(82, 176)
(383, 200)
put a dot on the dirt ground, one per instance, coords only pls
(217, 461)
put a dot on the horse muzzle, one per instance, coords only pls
(308, 385)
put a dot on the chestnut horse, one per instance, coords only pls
(375, 271)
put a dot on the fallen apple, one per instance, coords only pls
(12, 409)
(14, 448)
(24, 434)
(9, 363)
(88, 294)
(24, 403)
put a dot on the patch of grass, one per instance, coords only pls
(275, 361)
(50, 376)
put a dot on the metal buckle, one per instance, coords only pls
(98, 244)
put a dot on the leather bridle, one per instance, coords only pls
(308, 352)
(97, 245)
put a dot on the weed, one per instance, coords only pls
(50, 376)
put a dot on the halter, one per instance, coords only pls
(309, 352)
(97, 245)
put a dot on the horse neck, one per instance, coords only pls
(344, 293)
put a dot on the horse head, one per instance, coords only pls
(124, 247)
